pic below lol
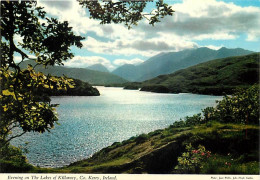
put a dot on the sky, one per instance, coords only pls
(195, 23)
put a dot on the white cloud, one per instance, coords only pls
(211, 19)
(216, 36)
(120, 62)
(18, 39)
(214, 47)
(145, 47)
(253, 35)
(17, 59)
(85, 61)
(72, 12)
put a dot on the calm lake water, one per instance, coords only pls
(88, 124)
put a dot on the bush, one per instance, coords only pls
(141, 138)
(178, 124)
(13, 161)
(242, 107)
(192, 160)
(194, 120)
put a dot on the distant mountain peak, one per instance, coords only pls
(222, 48)
(98, 67)
(201, 48)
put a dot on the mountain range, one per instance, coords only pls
(161, 64)
(83, 74)
(166, 63)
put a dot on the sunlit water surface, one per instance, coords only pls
(88, 124)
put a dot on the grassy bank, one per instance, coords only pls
(233, 152)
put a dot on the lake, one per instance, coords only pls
(88, 124)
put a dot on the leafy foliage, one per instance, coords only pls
(48, 40)
(127, 12)
(80, 89)
(242, 107)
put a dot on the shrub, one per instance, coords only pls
(241, 107)
(178, 124)
(192, 160)
(12, 160)
(194, 120)
(141, 138)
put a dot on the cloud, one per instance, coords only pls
(145, 47)
(61, 5)
(85, 61)
(120, 62)
(18, 39)
(17, 59)
(72, 12)
(214, 47)
(211, 19)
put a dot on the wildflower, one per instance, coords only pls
(195, 151)
(202, 153)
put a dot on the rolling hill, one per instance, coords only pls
(83, 74)
(166, 63)
(213, 77)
